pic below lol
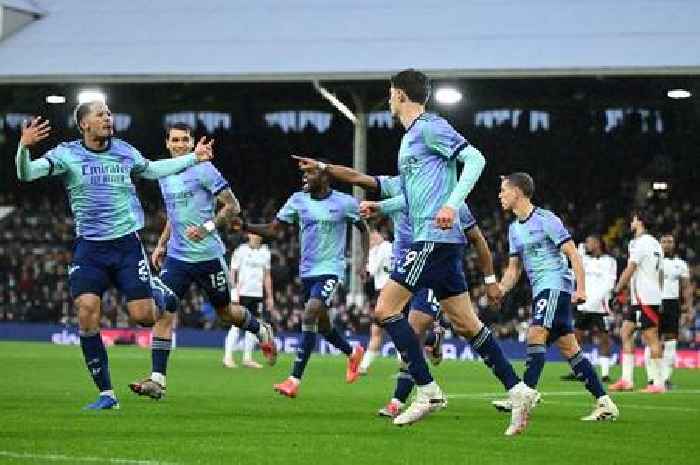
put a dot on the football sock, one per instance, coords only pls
(96, 359)
(669, 359)
(534, 364)
(488, 349)
(334, 337)
(160, 351)
(584, 371)
(628, 367)
(249, 341)
(404, 385)
(367, 359)
(647, 360)
(654, 372)
(308, 343)
(407, 345)
(231, 339)
(604, 361)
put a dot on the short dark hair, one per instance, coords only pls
(414, 83)
(179, 126)
(644, 217)
(81, 110)
(522, 181)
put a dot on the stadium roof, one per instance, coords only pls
(289, 40)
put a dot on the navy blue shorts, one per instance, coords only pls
(424, 301)
(432, 265)
(320, 287)
(211, 277)
(98, 264)
(551, 309)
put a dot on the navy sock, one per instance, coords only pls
(160, 351)
(308, 343)
(407, 344)
(96, 359)
(584, 371)
(430, 338)
(165, 299)
(534, 364)
(334, 337)
(485, 345)
(404, 385)
(250, 323)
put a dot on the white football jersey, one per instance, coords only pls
(601, 273)
(674, 269)
(645, 286)
(251, 265)
(379, 263)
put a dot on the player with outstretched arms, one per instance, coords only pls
(190, 250)
(322, 215)
(252, 284)
(97, 173)
(539, 242)
(644, 276)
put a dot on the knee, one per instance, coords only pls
(536, 335)
(143, 313)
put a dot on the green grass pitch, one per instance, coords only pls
(232, 416)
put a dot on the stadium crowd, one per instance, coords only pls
(591, 176)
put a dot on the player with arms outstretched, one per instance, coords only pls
(322, 215)
(190, 250)
(97, 174)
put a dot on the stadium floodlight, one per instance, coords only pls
(335, 101)
(91, 96)
(448, 95)
(678, 93)
(660, 186)
(55, 99)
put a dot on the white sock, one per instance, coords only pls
(109, 393)
(669, 359)
(230, 343)
(249, 341)
(368, 358)
(628, 367)
(654, 372)
(604, 365)
(647, 360)
(158, 378)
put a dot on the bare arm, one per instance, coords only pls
(269, 295)
(364, 239)
(626, 277)
(569, 249)
(158, 254)
(477, 239)
(511, 275)
(687, 293)
(231, 207)
(339, 172)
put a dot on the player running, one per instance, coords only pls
(97, 174)
(644, 275)
(536, 241)
(322, 215)
(594, 314)
(250, 275)
(428, 157)
(676, 283)
(190, 251)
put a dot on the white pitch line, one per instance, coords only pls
(582, 392)
(67, 458)
(636, 407)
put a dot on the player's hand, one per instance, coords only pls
(204, 151)
(34, 131)
(445, 217)
(579, 297)
(494, 293)
(157, 257)
(306, 163)
(195, 233)
(369, 208)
